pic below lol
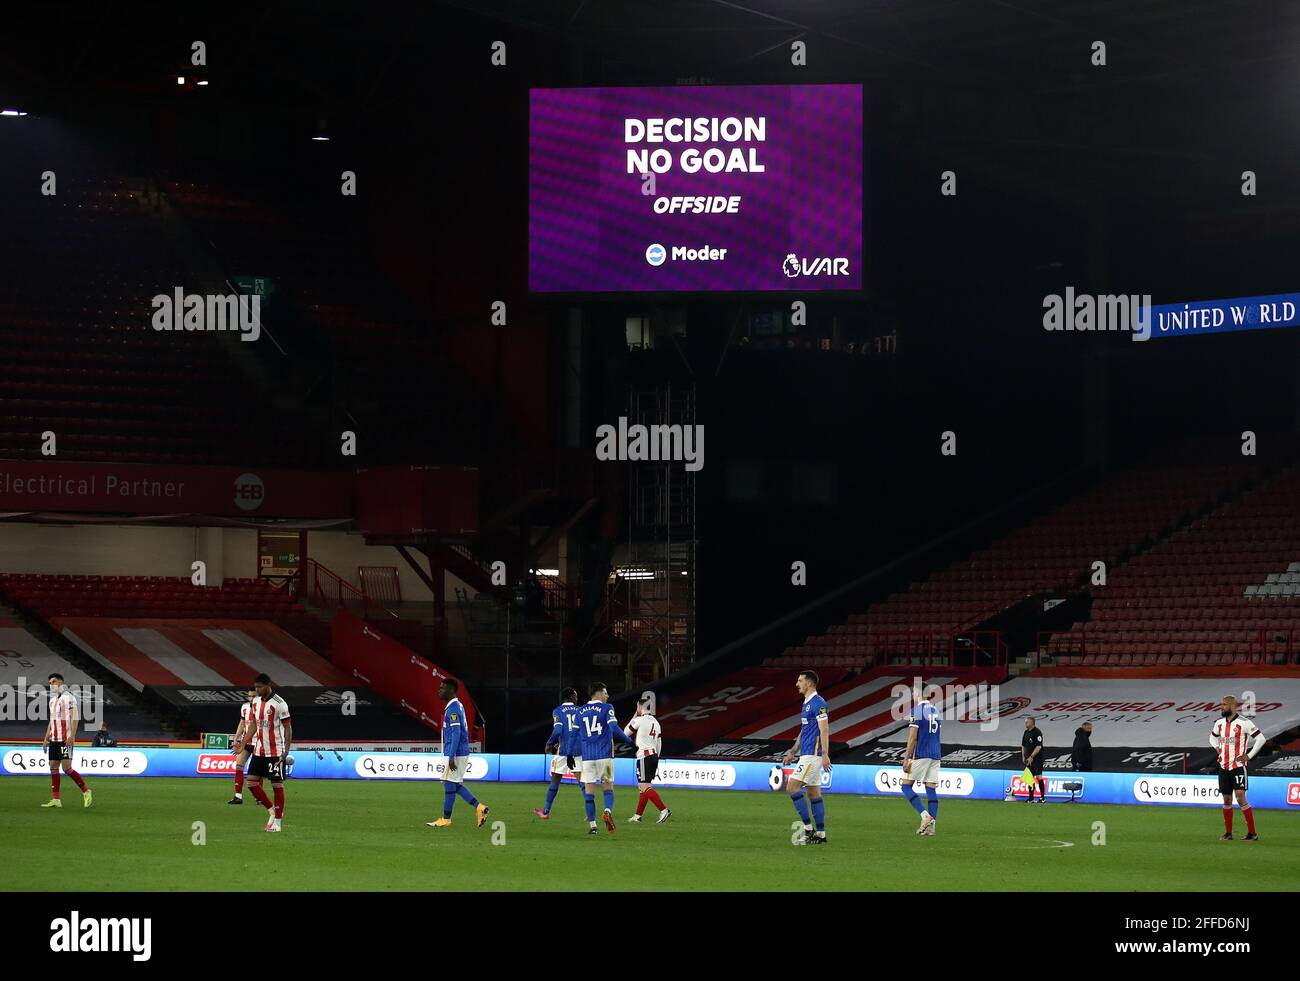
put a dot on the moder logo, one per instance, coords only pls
(821, 266)
(195, 312)
(102, 934)
(640, 443)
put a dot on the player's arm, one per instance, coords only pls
(622, 736)
(824, 730)
(911, 745)
(73, 720)
(1257, 743)
(557, 730)
(1216, 741)
(449, 737)
(288, 737)
(792, 752)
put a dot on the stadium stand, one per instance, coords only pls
(26, 661)
(862, 707)
(1054, 553)
(1222, 591)
(147, 652)
(88, 365)
(162, 597)
(382, 359)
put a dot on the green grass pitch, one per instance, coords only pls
(353, 835)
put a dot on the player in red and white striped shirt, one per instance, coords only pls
(1235, 740)
(272, 734)
(644, 727)
(61, 739)
(243, 743)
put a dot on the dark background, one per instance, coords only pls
(1123, 178)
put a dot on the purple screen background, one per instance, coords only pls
(589, 224)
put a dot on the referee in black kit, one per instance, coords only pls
(1031, 751)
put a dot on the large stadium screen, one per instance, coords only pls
(685, 188)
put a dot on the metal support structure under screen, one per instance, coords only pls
(659, 580)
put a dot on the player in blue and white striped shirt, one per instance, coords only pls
(455, 747)
(921, 759)
(565, 738)
(598, 728)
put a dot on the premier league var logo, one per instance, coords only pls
(791, 265)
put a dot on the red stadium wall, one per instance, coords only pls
(406, 500)
(395, 672)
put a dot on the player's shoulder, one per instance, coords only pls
(818, 703)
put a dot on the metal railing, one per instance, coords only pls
(326, 588)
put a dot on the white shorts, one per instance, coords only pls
(458, 776)
(808, 771)
(597, 771)
(560, 766)
(924, 771)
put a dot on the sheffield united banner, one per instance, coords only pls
(1127, 712)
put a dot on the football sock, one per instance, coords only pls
(655, 799)
(913, 798)
(590, 801)
(54, 782)
(76, 778)
(1227, 819)
(609, 800)
(641, 802)
(466, 796)
(819, 813)
(932, 801)
(260, 795)
(448, 798)
(279, 801)
(801, 805)
(551, 791)
(239, 782)
(1249, 814)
